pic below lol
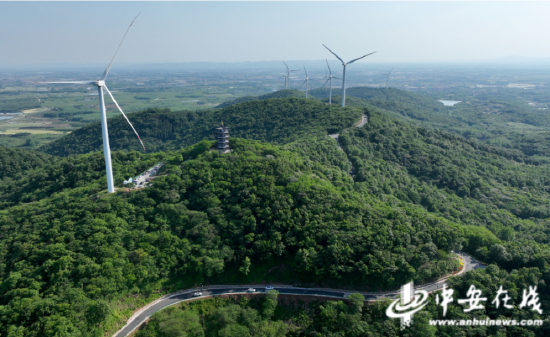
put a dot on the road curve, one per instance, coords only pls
(184, 295)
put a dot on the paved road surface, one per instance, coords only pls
(136, 320)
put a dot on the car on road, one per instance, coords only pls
(268, 287)
(197, 294)
(251, 290)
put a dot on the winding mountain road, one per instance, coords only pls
(144, 313)
(185, 295)
(364, 120)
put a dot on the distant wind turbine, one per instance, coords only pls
(100, 86)
(287, 75)
(330, 77)
(305, 81)
(388, 78)
(285, 79)
(288, 71)
(344, 64)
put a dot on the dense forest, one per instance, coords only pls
(42, 181)
(277, 94)
(379, 95)
(260, 205)
(492, 121)
(278, 121)
(214, 218)
(15, 161)
(385, 205)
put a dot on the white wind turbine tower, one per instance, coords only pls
(344, 76)
(388, 78)
(305, 81)
(100, 86)
(330, 77)
(285, 79)
(287, 75)
(288, 71)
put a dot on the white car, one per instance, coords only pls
(197, 294)
(251, 290)
(268, 288)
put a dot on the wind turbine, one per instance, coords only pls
(305, 81)
(330, 77)
(100, 86)
(288, 71)
(285, 79)
(388, 78)
(344, 76)
(287, 75)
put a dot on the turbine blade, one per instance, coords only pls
(360, 57)
(302, 84)
(338, 57)
(71, 82)
(124, 115)
(120, 44)
(305, 71)
(285, 65)
(328, 68)
(391, 70)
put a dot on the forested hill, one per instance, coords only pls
(463, 180)
(277, 94)
(68, 258)
(411, 107)
(509, 125)
(75, 260)
(379, 94)
(287, 213)
(64, 174)
(277, 121)
(14, 161)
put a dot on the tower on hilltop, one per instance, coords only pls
(222, 137)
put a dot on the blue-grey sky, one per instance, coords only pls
(89, 32)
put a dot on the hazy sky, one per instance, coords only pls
(89, 32)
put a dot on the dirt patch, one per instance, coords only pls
(30, 111)
(33, 131)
